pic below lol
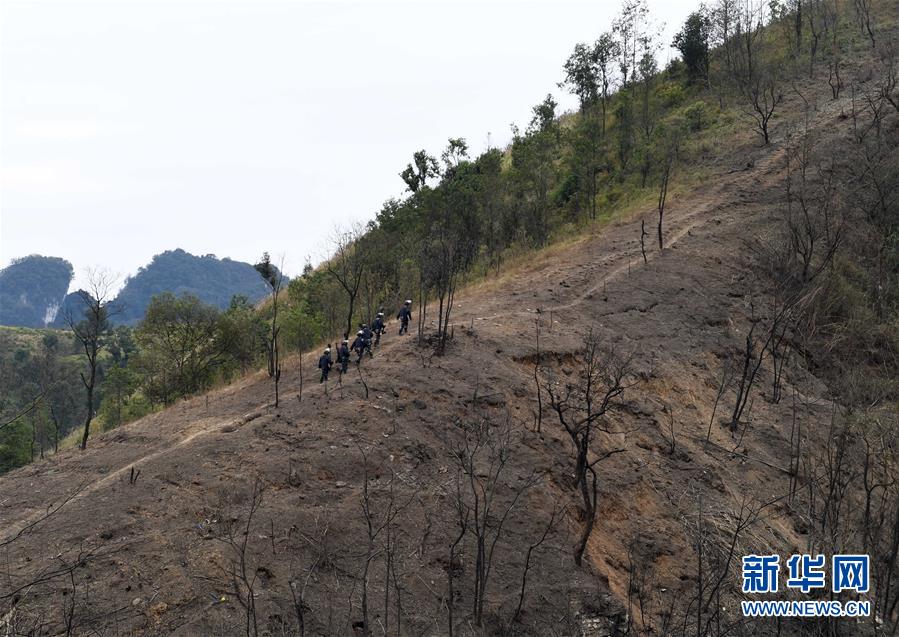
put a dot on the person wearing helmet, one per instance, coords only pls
(405, 316)
(378, 326)
(368, 335)
(343, 356)
(324, 364)
(358, 345)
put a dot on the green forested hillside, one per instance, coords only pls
(214, 281)
(32, 289)
(39, 380)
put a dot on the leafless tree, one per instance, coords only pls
(537, 361)
(643, 235)
(667, 167)
(443, 259)
(581, 406)
(554, 516)
(887, 82)
(751, 361)
(863, 13)
(764, 96)
(89, 330)
(482, 458)
(273, 341)
(63, 567)
(717, 535)
(464, 515)
(726, 375)
(755, 70)
(242, 574)
(813, 216)
(379, 526)
(348, 265)
(874, 178)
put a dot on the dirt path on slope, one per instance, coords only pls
(624, 254)
(132, 464)
(618, 245)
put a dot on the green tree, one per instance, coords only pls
(59, 385)
(15, 445)
(624, 130)
(534, 169)
(452, 239)
(120, 404)
(693, 43)
(242, 333)
(647, 70)
(581, 75)
(266, 269)
(606, 51)
(586, 157)
(489, 166)
(544, 115)
(630, 26)
(181, 347)
(422, 168)
(456, 151)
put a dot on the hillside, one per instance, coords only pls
(214, 281)
(32, 290)
(639, 383)
(154, 513)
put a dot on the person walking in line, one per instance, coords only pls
(324, 364)
(368, 335)
(378, 327)
(343, 356)
(358, 346)
(405, 316)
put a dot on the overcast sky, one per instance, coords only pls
(233, 128)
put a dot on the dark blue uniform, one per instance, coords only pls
(359, 346)
(378, 327)
(324, 364)
(343, 357)
(404, 316)
(367, 334)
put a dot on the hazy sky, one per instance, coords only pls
(129, 128)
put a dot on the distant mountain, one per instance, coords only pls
(73, 306)
(32, 289)
(212, 280)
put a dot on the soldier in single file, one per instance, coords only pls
(405, 315)
(358, 345)
(378, 327)
(368, 335)
(343, 356)
(324, 364)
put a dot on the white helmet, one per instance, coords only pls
(359, 333)
(380, 313)
(327, 350)
(408, 301)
